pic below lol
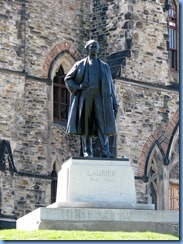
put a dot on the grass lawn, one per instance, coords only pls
(12, 234)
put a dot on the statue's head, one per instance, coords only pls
(92, 44)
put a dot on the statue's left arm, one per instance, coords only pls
(113, 96)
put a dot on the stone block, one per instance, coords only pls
(93, 219)
(96, 180)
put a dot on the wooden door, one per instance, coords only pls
(174, 197)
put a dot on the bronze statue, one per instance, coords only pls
(93, 106)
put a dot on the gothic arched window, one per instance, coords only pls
(172, 34)
(60, 97)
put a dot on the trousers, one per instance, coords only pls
(93, 107)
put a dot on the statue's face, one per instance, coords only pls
(93, 49)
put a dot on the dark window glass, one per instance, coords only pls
(60, 97)
(173, 35)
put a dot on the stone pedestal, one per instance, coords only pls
(97, 194)
(96, 181)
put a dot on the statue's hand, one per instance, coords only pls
(115, 109)
(82, 87)
(115, 112)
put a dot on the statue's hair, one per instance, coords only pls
(91, 41)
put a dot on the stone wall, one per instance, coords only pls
(12, 20)
(11, 91)
(32, 128)
(62, 20)
(143, 110)
(149, 32)
(139, 27)
(21, 194)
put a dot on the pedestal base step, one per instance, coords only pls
(93, 219)
(104, 205)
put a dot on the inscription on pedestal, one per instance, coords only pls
(101, 175)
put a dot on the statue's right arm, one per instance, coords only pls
(70, 80)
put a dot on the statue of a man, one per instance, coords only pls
(93, 106)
